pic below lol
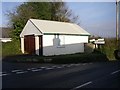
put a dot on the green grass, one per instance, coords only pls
(11, 48)
(107, 52)
(60, 59)
(76, 58)
(109, 47)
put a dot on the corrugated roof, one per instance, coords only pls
(55, 27)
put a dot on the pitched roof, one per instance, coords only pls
(55, 27)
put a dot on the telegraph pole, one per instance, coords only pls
(117, 52)
(117, 21)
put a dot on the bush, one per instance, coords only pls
(109, 48)
(11, 48)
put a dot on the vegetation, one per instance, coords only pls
(109, 48)
(59, 59)
(11, 48)
(57, 11)
(106, 52)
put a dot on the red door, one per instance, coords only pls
(29, 44)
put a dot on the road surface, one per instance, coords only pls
(71, 76)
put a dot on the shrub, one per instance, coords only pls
(109, 48)
(11, 48)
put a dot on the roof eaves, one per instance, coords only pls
(66, 34)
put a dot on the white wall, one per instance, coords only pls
(30, 29)
(69, 44)
(22, 45)
(37, 45)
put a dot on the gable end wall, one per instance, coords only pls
(30, 29)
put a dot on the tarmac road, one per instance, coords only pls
(70, 76)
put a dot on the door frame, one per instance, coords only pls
(41, 45)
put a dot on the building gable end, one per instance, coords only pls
(30, 29)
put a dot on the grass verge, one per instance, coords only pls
(60, 59)
(11, 51)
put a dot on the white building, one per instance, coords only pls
(5, 34)
(5, 39)
(43, 37)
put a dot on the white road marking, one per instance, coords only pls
(35, 70)
(84, 64)
(85, 84)
(64, 65)
(16, 70)
(54, 66)
(59, 67)
(48, 68)
(31, 68)
(72, 64)
(3, 74)
(115, 72)
(21, 72)
(42, 67)
(69, 65)
(77, 64)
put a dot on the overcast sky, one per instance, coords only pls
(98, 18)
